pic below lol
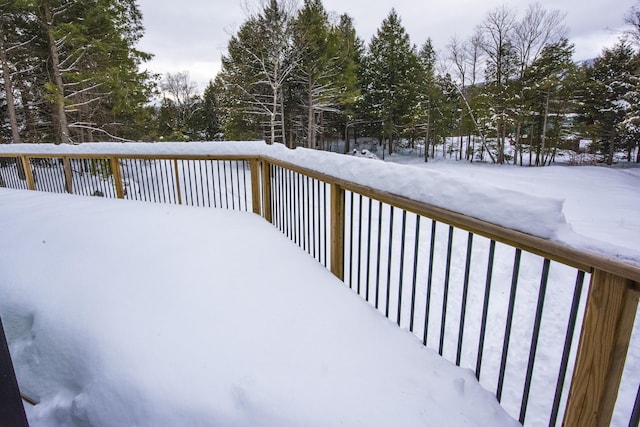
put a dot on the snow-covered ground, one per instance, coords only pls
(129, 313)
(588, 207)
(598, 202)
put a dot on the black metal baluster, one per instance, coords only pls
(192, 182)
(534, 339)
(200, 192)
(238, 184)
(300, 204)
(207, 164)
(219, 182)
(445, 296)
(230, 186)
(168, 189)
(416, 249)
(309, 211)
(368, 249)
(485, 307)
(573, 314)
(314, 209)
(378, 252)
(326, 215)
(350, 257)
(158, 182)
(465, 291)
(359, 243)
(138, 179)
(292, 228)
(226, 186)
(386, 311)
(509, 322)
(148, 182)
(432, 246)
(244, 183)
(400, 275)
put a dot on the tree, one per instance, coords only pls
(632, 19)
(350, 53)
(5, 20)
(317, 47)
(547, 88)
(389, 68)
(608, 97)
(497, 44)
(254, 71)
(76, 63)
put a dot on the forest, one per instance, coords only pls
(299, 75)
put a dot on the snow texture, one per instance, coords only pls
(123, 313)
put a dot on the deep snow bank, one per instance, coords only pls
(123, 313)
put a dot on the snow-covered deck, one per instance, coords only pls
(127, 313)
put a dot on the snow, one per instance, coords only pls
(511, 206)
(598, 203)
(591, 208)
(128, 313)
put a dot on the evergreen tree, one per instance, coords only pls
(547, 88)
(607, 99)
(77, 63)
(350, 53)
(389, 67)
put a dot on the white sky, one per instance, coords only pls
(191, 35)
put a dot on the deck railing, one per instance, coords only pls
(547, 326)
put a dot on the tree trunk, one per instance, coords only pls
(543, 138)
(346, 138)
(311, 129)
(29, 118)
(59, 114)
(11, 107)
(282, 125)
(517, 146)
(427, 136)
(611, 148)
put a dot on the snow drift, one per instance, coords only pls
(126, 313)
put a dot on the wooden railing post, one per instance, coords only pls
(255, 186)
(177, 177)
(266, 188)
(68, 178)
(606, 331)
(337, 231)
(28, 172)
(117, 177)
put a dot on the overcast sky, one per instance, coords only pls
(191, 35)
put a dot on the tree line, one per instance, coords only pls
(510, 93)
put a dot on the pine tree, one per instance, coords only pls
(389, 66)
(546, 90)
(610, 89)
(350, 53)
